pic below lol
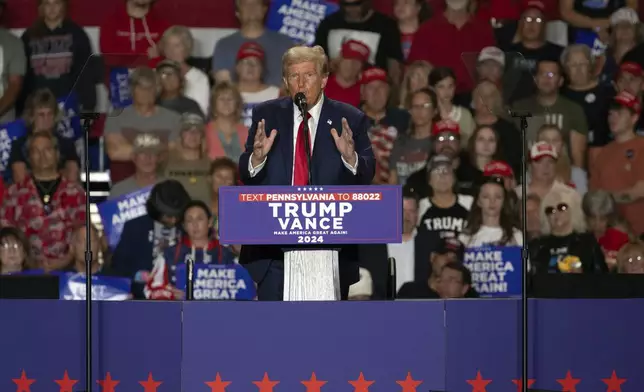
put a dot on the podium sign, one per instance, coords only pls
(496, 270)
(316, 215)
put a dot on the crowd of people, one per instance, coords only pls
(439, 86)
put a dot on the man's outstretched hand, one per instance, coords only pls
(262, 144)
(344, 143)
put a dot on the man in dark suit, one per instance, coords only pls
(276, 155)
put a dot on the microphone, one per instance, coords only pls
(300, 102)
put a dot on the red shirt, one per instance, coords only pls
(443, 45)
(48, 233)
(350, 95)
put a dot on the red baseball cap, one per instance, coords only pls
(631, 67)
(541, 150)
(446, 126)
(250, 49)
(354, 49)
(374, 74)
(626, 100)
(499, 169)
(536, 4)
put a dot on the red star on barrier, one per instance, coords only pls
(519, 383)
(218, 385)
(150, 385)
(361, 385)
(266, 385)
(23, 383)
(614, 383)
(409, 384)
(108, 384)
(66, 384)
(479, 384)
(569, 383)
(313, 384)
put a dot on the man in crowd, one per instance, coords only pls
(543, 173)
(404, 252)
(549, 107)
(617, 168)
(344, 83)
(143, 116)
(251, 14)
(12, 73)
(387, 122)
(172, 87)
(357, 20)
(145, 155)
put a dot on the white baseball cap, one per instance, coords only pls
(624, 14)
(492, 53)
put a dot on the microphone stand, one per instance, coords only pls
(523, 117)
(307, 139)
(86, 120)
(190, 272)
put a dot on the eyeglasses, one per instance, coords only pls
(561, 207)
(450, 138)
(531, 19)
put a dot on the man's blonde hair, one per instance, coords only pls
(302, 54)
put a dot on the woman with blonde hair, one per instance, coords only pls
(565, 246)
(568, 174)
(225, 133)
(416, 77)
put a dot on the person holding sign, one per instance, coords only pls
(198, 243)
(340, 154)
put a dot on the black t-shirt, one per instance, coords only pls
(547, 251)
(521, 65)
(66, 148)
(593, 101)
(380, 33)
(596, 9)
(419, 184)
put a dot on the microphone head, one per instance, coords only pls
(300, 100)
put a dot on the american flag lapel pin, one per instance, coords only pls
(329, 122)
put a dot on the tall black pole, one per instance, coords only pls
(87, 119)
(523, 116)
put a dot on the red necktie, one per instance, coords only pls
(301, 167)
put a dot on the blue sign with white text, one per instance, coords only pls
(218, 282)
(116, 212)
(104, 288)
(310, 215)
(69, 127)
(298, 19)
(8, 133)
(496, 270)
(120, 87)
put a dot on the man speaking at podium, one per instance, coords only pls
(276, 154)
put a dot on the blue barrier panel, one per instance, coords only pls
(131, 340)
(241, 342)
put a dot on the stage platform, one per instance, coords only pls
(458, 345)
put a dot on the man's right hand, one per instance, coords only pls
(262, 144)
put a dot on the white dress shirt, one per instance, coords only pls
(197, 87)
(315, 112)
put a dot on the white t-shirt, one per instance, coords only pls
(490, 236)
(197, 87)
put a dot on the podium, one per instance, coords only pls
(311, 224)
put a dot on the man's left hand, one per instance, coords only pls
(344, 143)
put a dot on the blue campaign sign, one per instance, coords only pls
(120, 87)
(8, 133)
(218, 282)
(104, 288)
(298, 19)
(496, 270)
(247, 114)
(310, 215)
(116, 212)
(69, 127)
(591, 39)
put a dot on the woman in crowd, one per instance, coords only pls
(172, 95)
(411, 150)
(630, 259)
(625, 34)
(176, 45)
(482, 149)
(565, 246)
(15, 251)
(604, 222)
(250, 78)
(197, 242)
(225, 133)
(42, 115)
(443, 81)
(416, 77)
(566, 173)
(223, 172)
(189, 164)
(492, 220)
(45, 205)
(410, 14)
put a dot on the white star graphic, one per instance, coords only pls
(299, 189)
(321, 189)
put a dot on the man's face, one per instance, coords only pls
(532, 25)
(376, 95)
(191, 138)
(251, 11)
(621, 120)
(630, 83)
(144, 94)
(490, 70)
(170, 80)
(548, 78)
(305, 78)
(451, 284)
(145, 162)
(410, 214)
(578, 68)
(44, 119)
(447, 144)
(354, 10)
(42, 154)
(249, 69)
(349, 69)
(544, 169)
(441, 179)
(52, 9)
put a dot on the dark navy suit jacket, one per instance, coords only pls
(327, 167)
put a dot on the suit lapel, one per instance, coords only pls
(285, 132)
(323, 138)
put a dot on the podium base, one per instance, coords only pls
(311, 275)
